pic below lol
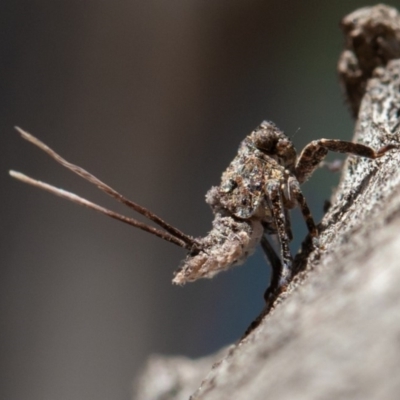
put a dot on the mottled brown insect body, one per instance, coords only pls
(257, 190)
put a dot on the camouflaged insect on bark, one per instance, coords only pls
(257, 190)
(240, 205)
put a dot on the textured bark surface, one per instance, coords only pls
(336, 332)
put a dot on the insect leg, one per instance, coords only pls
(276, 266)
(315, 152)
(288, 225)
(283, 275)
(294, 188)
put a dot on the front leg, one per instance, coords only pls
(315, 152)
(295, 191)
(282, 276)
(276, 266)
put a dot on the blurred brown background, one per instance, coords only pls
(152, 97)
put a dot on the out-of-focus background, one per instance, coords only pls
(152, 97)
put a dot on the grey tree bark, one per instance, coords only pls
(335, 333)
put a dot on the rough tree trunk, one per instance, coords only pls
(336, 332)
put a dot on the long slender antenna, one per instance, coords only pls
(106, 189)
(86, 203)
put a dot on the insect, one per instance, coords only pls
(253, 200)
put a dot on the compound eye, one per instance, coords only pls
(264, 144)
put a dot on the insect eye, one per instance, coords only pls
(264, 144)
